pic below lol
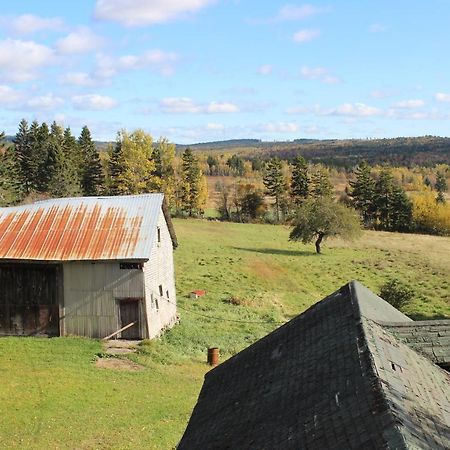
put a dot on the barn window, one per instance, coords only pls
(131, 266)
(157, 304)
(167, 294)
(159, 234)
(161, 290)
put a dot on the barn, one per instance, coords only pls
(87, 266)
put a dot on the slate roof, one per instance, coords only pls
(82, 228)
(332, 378)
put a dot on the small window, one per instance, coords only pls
(159, 234)
(161, 290)
(157, 304)
(131, 266)
(167, 294)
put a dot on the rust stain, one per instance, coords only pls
(24, 238)
(70, 232)
(17, 223)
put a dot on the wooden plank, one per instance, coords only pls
(118, 331)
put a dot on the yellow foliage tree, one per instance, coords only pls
(430, 216)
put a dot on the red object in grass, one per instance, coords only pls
(198, 293)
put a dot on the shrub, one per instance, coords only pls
(396, 293)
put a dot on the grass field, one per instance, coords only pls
(53, 396)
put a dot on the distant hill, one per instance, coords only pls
(221, 145)
(404, 151)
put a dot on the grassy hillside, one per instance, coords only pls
(53, 396)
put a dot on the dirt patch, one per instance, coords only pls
(118, 364)
(265, 270)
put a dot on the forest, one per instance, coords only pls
(269, 185)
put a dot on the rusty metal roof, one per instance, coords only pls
(83, 228)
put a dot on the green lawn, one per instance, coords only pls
(52, 395)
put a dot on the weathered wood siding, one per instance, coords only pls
(159, 271)
(91, 293)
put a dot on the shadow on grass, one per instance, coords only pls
(277, 251)
(420, 316)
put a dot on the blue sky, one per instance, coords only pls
(201, 70)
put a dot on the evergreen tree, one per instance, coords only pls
(236, 164)
(321, 184)
(63, 179)
(274, 182)
(441, 187)
(33, 160)
(384, 188)
(10, 181)
(92, 179)
(300, 180)
(401, 210)
(116, 167)
(22, 148)
(40, 153)
(192, 184)
(164, 173)
(363, 193)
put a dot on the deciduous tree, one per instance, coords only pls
(320, 218)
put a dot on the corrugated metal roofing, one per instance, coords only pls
(83, 228)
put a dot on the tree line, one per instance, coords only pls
(48, 161)
(377, 195)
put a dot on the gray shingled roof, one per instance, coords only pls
(331, 378)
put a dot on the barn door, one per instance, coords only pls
(129, 312)
(29, 303)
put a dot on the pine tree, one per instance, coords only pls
(11, 188)
(384, 187)
(363, 193)
(401, 210)
(192, 185)
(441, 187)
(92, 178)
(63, 179)
(40, 154)
(116, 167)
(22, 148)
(163, 157)
(300, 180)
(274, 182)
(321, 184)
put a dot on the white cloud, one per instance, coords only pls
(19, 60)
(93, 102)
(410, 104)
(45, 102)
(354, 110)
(265, 69)
(319, 73)
(294, 12)
(158, 60)
(185, 105)
(78, 79)
(279, 127)
(305, 35)
(83, 40)
(9, 96)
(146, 12)
(221, 107)
(29, 24)
(442, 97)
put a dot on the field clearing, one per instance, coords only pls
(54, 397)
